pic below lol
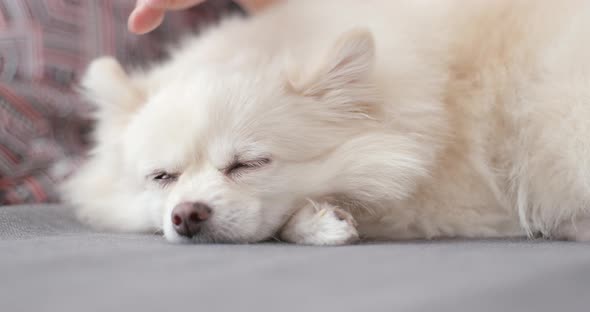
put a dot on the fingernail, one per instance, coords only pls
(154, 3)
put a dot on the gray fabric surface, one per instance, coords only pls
(48, 262)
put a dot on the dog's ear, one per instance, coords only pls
(107, 85)
(341, 77)
(116, 95)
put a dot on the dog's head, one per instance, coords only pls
(225, 153)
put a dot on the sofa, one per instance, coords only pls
(50, 262)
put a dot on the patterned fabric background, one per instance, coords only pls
(44, 47)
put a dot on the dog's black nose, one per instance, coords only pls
(188, 217)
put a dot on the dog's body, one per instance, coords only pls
(323, 121)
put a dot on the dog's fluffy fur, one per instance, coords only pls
(322, 121)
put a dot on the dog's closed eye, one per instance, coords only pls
(163, 178)
(237, 167)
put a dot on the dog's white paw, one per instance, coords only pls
(332, 226)
(321, 224)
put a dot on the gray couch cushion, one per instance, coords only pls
(48, 262)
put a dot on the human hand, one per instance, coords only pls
(149, 14)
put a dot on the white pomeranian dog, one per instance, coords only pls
(324, 122)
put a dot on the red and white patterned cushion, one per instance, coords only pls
(44, 47)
